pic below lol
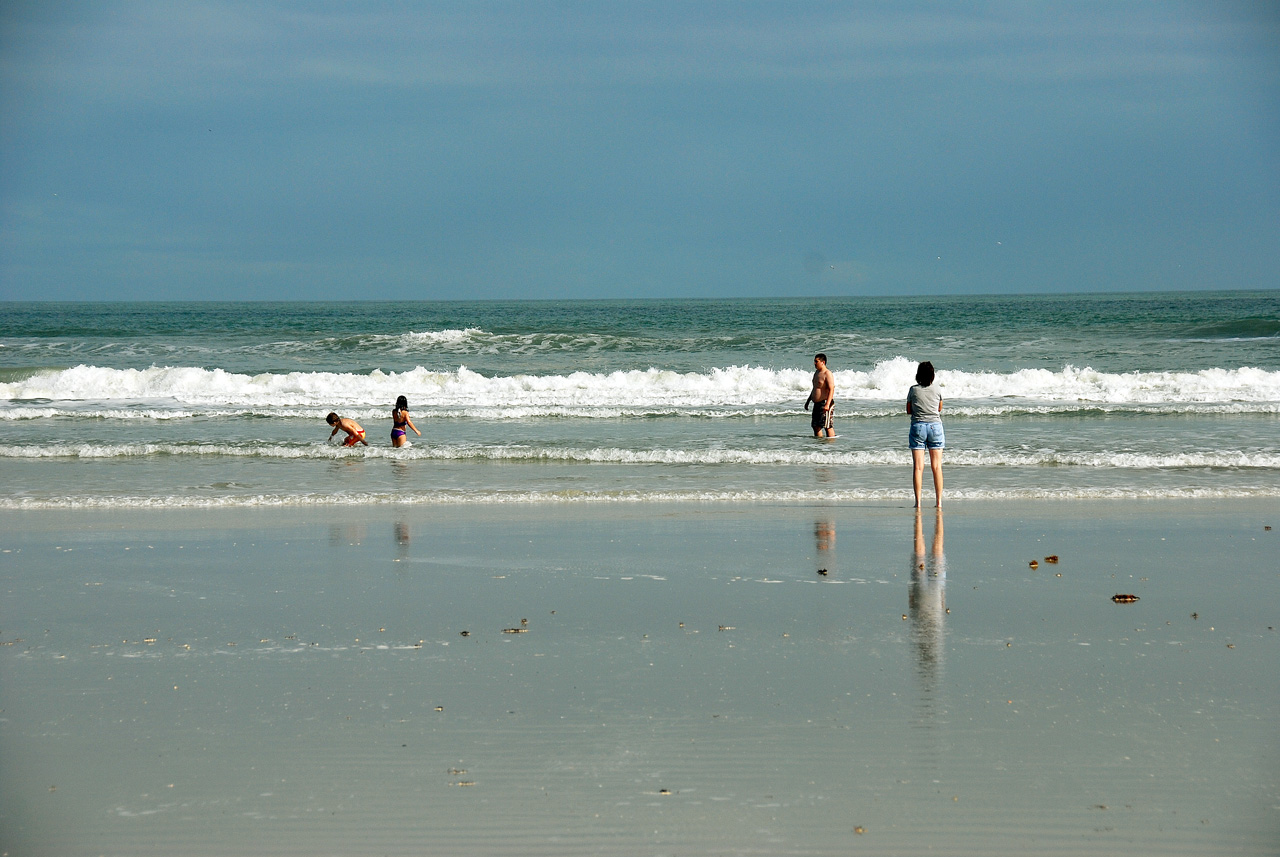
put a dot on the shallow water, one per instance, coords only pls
(135, 405)
(233, 682)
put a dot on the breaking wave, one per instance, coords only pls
(623, 392)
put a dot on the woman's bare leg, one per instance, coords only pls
(917, 472)
(935, 464)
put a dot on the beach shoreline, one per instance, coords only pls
(643, 678)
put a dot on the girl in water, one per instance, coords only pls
(924, 404)
(400, 419)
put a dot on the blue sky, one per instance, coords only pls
(229, 150)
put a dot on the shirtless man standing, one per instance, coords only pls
(822, 396)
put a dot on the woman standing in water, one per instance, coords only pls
(400, 419)
(924, 405)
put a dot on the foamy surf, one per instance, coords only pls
(573, 497)
(848, 409)
(1164, 394)
(644, 389)
(801, 455)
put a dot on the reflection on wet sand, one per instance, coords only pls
(824, 534)
(347, 534)
(927, 603)
(402, 538)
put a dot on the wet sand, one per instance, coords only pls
(684, 680)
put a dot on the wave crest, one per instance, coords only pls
(652, 388)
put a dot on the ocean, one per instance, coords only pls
(124, 405)
(618, 600)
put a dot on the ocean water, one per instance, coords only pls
(222, 404)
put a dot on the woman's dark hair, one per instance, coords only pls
(924, 374)
(402, 404)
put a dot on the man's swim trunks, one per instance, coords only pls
(353, 439)
(821, 419)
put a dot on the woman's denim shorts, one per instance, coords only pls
(926, 436)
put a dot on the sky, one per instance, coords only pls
(306, 150)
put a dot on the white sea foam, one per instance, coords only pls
(516, 453)
(516, 497)
(477, 341)
(582, 393)
(121, 413)
(470, 340)
(439, 337)
(847, 410)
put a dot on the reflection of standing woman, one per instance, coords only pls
(400, 419)
(924, 404)
(927, 601)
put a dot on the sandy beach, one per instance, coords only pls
(575, 280)
(642, 679)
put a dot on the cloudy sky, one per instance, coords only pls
(312, 149)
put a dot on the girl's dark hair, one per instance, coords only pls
(924, 374)
(402, 404)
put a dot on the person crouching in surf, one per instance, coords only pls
(355, 434)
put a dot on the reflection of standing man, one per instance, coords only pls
(824, 533)
(823, 398)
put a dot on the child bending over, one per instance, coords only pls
(355, 434)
